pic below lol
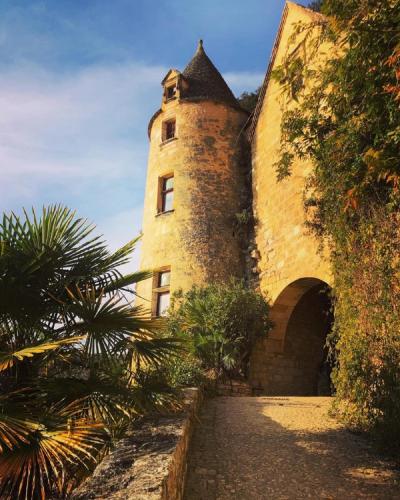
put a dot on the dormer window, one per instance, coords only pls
(170, 92)
(171, 85)
(168, 131)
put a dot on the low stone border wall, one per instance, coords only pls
(234, 388)
(150, 462)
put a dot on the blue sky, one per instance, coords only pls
(80, 80)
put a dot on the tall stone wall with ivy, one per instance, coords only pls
(344, 118)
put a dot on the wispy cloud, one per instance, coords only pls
(78, 86)
(81, 139)
(66, 126)
(119, 228)
(240, 81)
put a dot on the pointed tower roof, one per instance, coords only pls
(205, 81)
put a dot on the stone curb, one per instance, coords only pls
(150, 463)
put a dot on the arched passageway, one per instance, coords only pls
(292, 361)
(304, 344)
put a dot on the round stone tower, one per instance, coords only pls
(195, 185)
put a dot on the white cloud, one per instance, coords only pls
(120, 228)
(241, 81)
(80, 138)
(85, 125)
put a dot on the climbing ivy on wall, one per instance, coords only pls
(367, 273)
(344, 117)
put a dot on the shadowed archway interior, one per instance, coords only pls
(293, 360)
(304, 345)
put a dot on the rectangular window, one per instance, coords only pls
(168, 130)
(163, 301)
(166, 198)
(161, 292)
(164, 278)
(170, 92)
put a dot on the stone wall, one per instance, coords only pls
(150, 462)
(198, 240)
(234, 388)
(287, 251)
(290, 262)
(298, 368)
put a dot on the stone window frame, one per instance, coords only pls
(166, 135)
(162, 192)
(159, 289)
(171, 87)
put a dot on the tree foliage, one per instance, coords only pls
(248, 100)
(68, 340)
(222, 322)
(347, 114)
(344, 116)
(367, 326)
(316, 5)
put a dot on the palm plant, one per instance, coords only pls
(69, 340)
(221, 322)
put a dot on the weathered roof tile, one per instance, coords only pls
(205, 81)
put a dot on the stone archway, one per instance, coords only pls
(292, 361)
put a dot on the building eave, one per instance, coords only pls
(288, 5)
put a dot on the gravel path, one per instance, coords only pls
(282, 448)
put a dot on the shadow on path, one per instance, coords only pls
(282, 448)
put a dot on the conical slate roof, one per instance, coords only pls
(205, 81)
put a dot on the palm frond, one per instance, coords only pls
(56, 234)
(14, 432)
(122, 255)
(98, 398)
(32, 469)
(107, 399)
(67, 338)
(153, 350)
(108, 323)
(127, 280)
(7, 360)
(43, 255)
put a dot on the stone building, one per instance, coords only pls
(203, 148)
(195, 183)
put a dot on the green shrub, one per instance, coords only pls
(185, 371)
(221, 323)
(367, 376)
